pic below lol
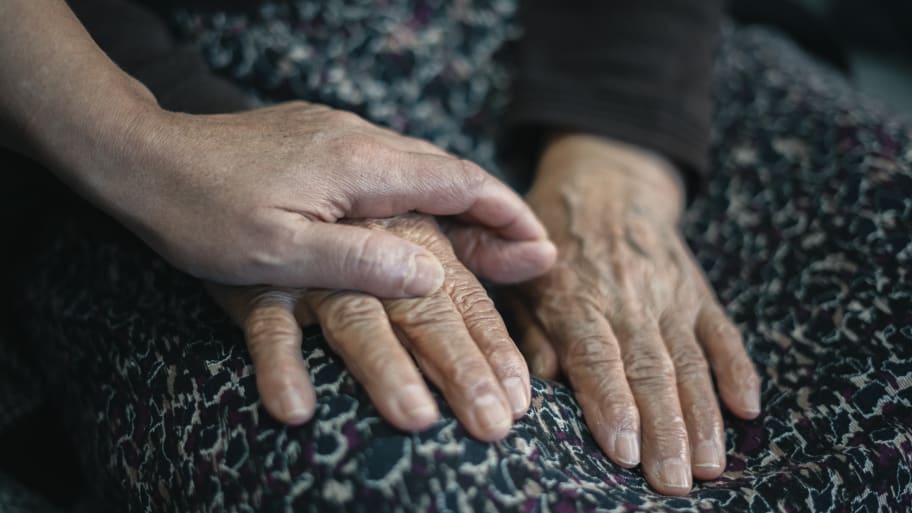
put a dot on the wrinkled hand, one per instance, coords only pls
(456, 336)
(629, 318)
(253, 197)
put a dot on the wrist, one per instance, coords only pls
(616, 168)
(94, 146)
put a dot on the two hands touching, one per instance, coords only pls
(625, 315)
(270, 195)
(455, 335)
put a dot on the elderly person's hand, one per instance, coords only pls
(244, 198)
(455, 335)
(628, 317)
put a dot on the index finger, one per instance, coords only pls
(590, 356)
(498, 207)
(437, 185)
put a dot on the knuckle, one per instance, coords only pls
(468, 374)
(703, 414)
(343, 117)
(669, 429)
(478, 311)
(431, 312)
(265, 331)
(486, 324)
(596, 386)
(300, 108)
(301, 104)
(472, 174)
(689, 363)
(356, 152)
(352, 312)
(469, 297)
(649, 369)
(623, 415)
(722, 328)
(263, 297)
(374, 364)
(589, 352)
(505, 359)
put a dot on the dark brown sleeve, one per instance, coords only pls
(637, 71)
(141, 44)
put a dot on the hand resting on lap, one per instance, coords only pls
(455, 335)
(628, 317)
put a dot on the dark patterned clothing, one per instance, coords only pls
(804, 232)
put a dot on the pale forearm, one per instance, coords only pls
(62, 101)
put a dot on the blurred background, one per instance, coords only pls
(871, 41)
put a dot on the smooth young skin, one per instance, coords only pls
(456, 336)
(243, 198)
(628, 317)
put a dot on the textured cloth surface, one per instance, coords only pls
(437, 70)
(803, 231)
(14, 498)
(20, 385)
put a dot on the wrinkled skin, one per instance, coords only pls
(625, 314)
(628, 317)
(254, 197)
(244, 198)
(456, 336)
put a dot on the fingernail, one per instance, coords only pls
(751, 401)
(675, 473)
(490, 413)
(414, 404)
(516, 392)
(425, 276)
(627, 448)
(706, 455)
(293, 406)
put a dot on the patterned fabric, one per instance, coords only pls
(20, 386)
(804, 232)
(426, 68)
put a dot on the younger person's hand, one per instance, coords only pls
(254, 197)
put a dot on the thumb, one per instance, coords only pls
(500, 260)
(339, 256)
(394, 182)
